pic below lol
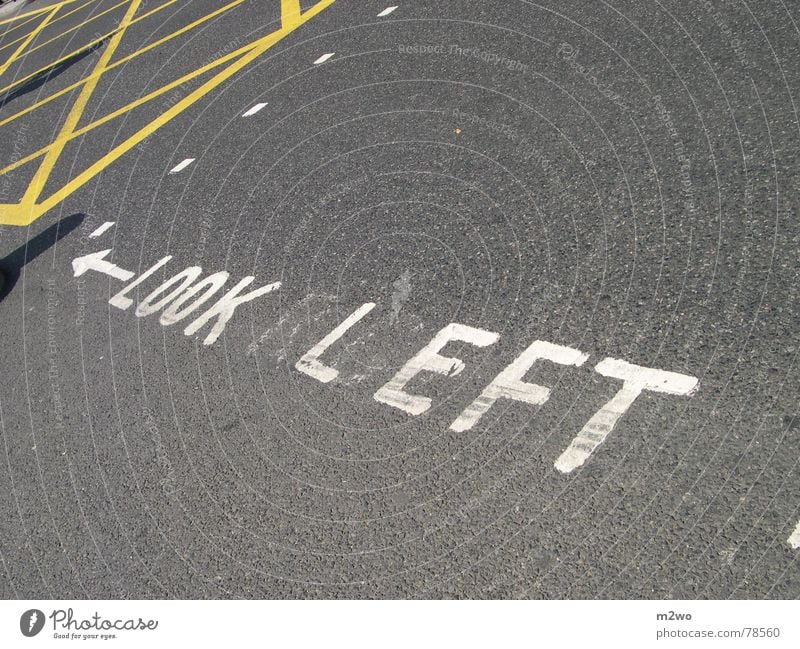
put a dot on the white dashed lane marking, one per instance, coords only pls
(386, 11)
(794, 539)
(324, 58)
(106, 226)
(254, 110)
(182, 165)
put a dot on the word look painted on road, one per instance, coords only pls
(179, 296)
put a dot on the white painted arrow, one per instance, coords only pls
(96, 261)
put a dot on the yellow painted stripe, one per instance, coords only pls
(127, 58)
(16, 27)
(83, 48)
(39, 179)
(28, 210)
(290, 13)
(61, 17)
(33, 34)
(76, 27)
(128, 107)
(36, 11)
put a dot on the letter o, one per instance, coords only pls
(214, 282)
(186, 277)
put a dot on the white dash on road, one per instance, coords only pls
(324, 58)
(386, 11)
(254, 110)
(106, 226)
(794, 539)
(181, 166)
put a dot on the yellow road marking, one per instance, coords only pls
(16, 27)
(83, 48)
(37, 184)
(27, 42)
(30, 207)
(52, 22)
(290, 13)
(35, 12)
(123, 60)
(76, 27)
(128, 107)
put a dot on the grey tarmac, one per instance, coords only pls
(617, 181)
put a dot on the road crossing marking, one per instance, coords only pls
(181, 166)
(636, 379)
(509, 383)
(173, 302)
(794, 539)
(96, 261)
(254, 110)
(103, 228)
(324, 58)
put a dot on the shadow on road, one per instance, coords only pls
(11, 265)
(45, 75)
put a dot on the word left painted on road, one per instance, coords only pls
(509, 383)
(181, 296)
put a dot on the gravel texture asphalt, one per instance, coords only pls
(619, 179)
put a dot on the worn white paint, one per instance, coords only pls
(224, 308)
(794, 539)
(386, 11)
(509, 384)
(310, 364)
(149, 305)
(174, 313)
(106, 226)
(635, 379)
(254, 110)
(175, 301)
(324, 58)
(96, 261)
(296, 313)
(429, 359)
(120, 300)
(181, 165)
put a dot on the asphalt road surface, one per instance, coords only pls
(497, 299)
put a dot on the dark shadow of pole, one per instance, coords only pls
(11, 265)
(46, 75)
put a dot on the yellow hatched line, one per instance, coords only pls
(16, 27)
(76, 27)
(28, 39)
(290, 13)
(35, 12)
(29, 209)
(39, 179)
(84, 47)
(52, 22)
(128, 107)
(123, 60)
